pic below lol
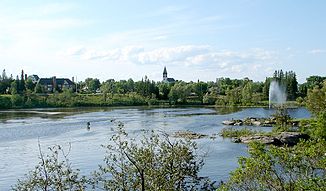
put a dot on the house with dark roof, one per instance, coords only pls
(56, 84)
(34, 78)
(165, 77)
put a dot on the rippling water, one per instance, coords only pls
(20, 131)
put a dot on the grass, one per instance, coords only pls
(236, 133)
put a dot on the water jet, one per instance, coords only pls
(277, 94)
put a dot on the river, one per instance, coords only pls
(20, 131)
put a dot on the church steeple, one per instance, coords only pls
(165, 74)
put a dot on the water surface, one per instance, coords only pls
(20, 131)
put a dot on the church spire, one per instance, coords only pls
(165, 74)
(164, 71)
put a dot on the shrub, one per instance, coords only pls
(5, 102)
(54, 172)
(302, 167)
(155, 163)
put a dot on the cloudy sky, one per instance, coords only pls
(200, 39)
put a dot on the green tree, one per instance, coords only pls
(266, 88)
(209, 99)
(21, 83)
(107, 87)
(179, 92)
(313, 81)
(39, 88)
(246, 94)
(5, 102)
(302, 167)
(164, 89)
(53, 172)
(316, 99)
(200, 88)
(282, 119)
(14, 87)
(92, 84)
(319, 128)
(5, 82)
(233, 96)
(29, 85)
(130, 85)
(156, 163)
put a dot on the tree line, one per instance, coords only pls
(222, 92)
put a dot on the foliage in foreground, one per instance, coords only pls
(153, 163)
(53, 172)
(315, 128)
(316, 99)
(302, 167)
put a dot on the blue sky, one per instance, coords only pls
(193, 39)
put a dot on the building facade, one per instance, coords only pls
(165, 77)
(56, 84)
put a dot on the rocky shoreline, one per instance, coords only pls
(284, 138)
(253, 121)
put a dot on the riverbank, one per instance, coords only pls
(66, 100)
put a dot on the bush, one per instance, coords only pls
(209, 99)
(17, 100)
(302, 167)
(315, 128)
(5, 102)
(54, 172)
(156, 163)
(153, 163)
(316, 99)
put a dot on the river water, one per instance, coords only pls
(20, 131)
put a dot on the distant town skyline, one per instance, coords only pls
(194, 39)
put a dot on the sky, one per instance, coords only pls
(124, 39)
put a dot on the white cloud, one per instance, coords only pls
(251, 63)
(55, 8)
(317, 51)
(187, 54)
(171, 54)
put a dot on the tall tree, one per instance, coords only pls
(21, 83)
(316, 99)
(92, 84)
(247, 94)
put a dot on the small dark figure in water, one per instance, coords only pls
(88, 126)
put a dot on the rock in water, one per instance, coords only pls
(291, 138)
(284, 138)
(260, 138)
(228, 122)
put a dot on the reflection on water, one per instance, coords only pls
(227, 110)
(57, 113)
(20, 130)
(53, 113)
